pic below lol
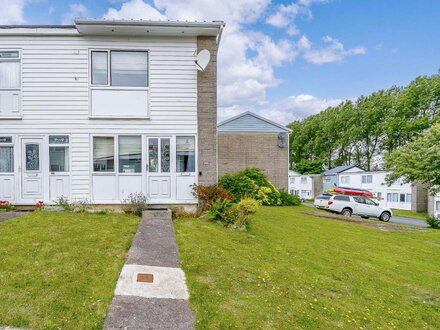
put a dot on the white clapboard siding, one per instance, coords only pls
(55, 93)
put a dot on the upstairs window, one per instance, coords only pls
(367, 179)
(345, 179)
(10, 83)
(303, 180)
(119, 68)
(9, 70)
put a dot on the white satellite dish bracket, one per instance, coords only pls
(202, 59)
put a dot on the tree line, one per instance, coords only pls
(367, 130)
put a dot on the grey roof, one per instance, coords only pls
(340, 169)
(251, 122)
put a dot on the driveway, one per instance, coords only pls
(395, 219)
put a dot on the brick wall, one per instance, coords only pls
(419, 198)
(236, 151)
(207, 114)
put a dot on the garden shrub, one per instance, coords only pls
(206, 195)
(252, 182)
(218, 209)
(433, 222)
(233, 215)
(288, 199)
(136, 203)
(239, 185)
(6, 206)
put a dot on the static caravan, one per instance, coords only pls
(102, 109)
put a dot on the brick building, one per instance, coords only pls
(249, 140)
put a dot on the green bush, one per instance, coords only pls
(289, 200)
(136, 203)
(232, 215)
(433, 222)
(206, 195)
(239, 185)
(248, 206)
(218, 209)
(253, 183)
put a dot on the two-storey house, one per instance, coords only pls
(102, 109)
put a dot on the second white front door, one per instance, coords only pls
(159, 167)
(32, 180)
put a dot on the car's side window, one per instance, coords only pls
(370, 202)
(359, 200)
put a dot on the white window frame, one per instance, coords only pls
(59, 145)
(10, 144)
(437, 205)
(345, 178)
(365, 177)
(108, 86)
(17, 89)
(303, 180)
(115, 155)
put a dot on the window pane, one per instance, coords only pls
(58, 159)
(437, 206)
(32, 157)
(9, 54)
(129, 68)
(103, 154)
(59, 139)
(6, 159)
(99, 68)
(153, 155)
(165, 155)
(9, 74)
(130, 154)
(5, 139)
(408, 198)
(402, 198)
(185, 154)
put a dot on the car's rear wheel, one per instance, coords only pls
(346, 212)
(385, 216)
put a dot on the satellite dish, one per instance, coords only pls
(202, 59)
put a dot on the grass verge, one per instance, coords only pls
(410, 214)
(59, 270)
(292, 270)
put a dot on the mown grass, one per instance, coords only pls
(59, 270)
(410, 214)
(292, 270)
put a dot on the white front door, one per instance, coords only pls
(159, 167)
(32, 180)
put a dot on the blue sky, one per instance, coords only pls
(285, 59)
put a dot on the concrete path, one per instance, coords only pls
(151, 292)
(11, 215)
(396, 219)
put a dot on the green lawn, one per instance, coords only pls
(295, 271)
(410, 214)
(59, 270)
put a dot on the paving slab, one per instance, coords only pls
(154, 244)
(167, 282)
(139, 313)
(11, 215)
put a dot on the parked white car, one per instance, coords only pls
(362, 206)
(321, 201)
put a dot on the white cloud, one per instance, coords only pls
(297, 107)
(76, 10)
(334, 52)
(247, 58)
(135, 9)
(285, 17)
(11, 12)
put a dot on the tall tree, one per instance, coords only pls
(419, 160)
